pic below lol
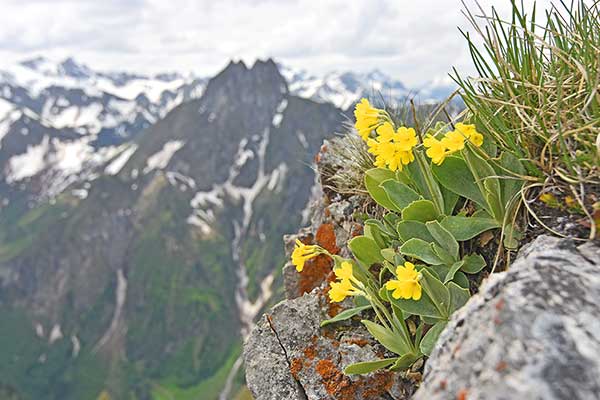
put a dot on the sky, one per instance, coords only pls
(412, 40)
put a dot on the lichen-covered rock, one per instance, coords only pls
(289, 356)
(532, 332)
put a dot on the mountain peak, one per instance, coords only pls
(239, 81)
(72, 68)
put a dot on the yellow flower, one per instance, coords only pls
(469, 132)
(393, 148)
(303, 253)
(435, 149)
(454, 141)
(407, 285)
(340, 290)
(347, 284)
(406, 138)
(344, 271)
(367, 118)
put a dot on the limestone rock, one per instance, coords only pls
(289, 356)
(532, 332)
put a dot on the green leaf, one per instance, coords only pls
(436, 290)
(413, 229)
(455, 267)
(511, 185)
(458, 296)
(369, 366)
(389, 254)
(443, 237)
(419, 210)
(450, 200)
(373, 179)
(423, 307)
(443, 254)
(399, 193)
(365, 250)
(405, 362)
(386, 337)
(346, 314)
(455, 176)
(431, 337)
(461, 280)
(473, 263)
(511, 237)
(420, 249)
(373, 229)
(423, 179)
(485, 178)
(465, 228)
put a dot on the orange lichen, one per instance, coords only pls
(334, 309)
(340, 387)
(357, 341)
(377, 385)
(499, 304)
(462, 394)
(310, 352)
(295, 367)
(326, 238)
(501, 366)
(336, 383)
(319, 268)
(357, 230)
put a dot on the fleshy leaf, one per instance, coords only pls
(365, 250)
(465, 228)
(473, 263)
(346, 314)
(399, 193)
(373, 178)
(422, 250)
(369, 366)
(431, 337)
(420, 210)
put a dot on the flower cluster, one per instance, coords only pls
(406, 285)
(303, 253)
(452, 142)
(393, 148)
(346, 284)
(368, 118)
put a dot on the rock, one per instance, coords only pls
(289, 356)
(532, 332)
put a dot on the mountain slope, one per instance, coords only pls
(140, 287)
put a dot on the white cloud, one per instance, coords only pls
(412, 40)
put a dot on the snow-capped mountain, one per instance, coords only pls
(344, 89)
(64, 122)
(110, 106)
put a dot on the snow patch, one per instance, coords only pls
(161, 159)
(76, 345)
(28, 164)
(55, 334)
(118, 163)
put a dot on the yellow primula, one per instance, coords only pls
(302, 253)
(367, 118)
(393, 148)
(470, 133)
(452, 142)
(347, 284)
(435, 149)
(406, 285)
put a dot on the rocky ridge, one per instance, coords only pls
(530, 332)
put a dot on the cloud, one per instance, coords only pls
(412, 40)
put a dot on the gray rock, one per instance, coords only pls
(532, 332)
(289, 356)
